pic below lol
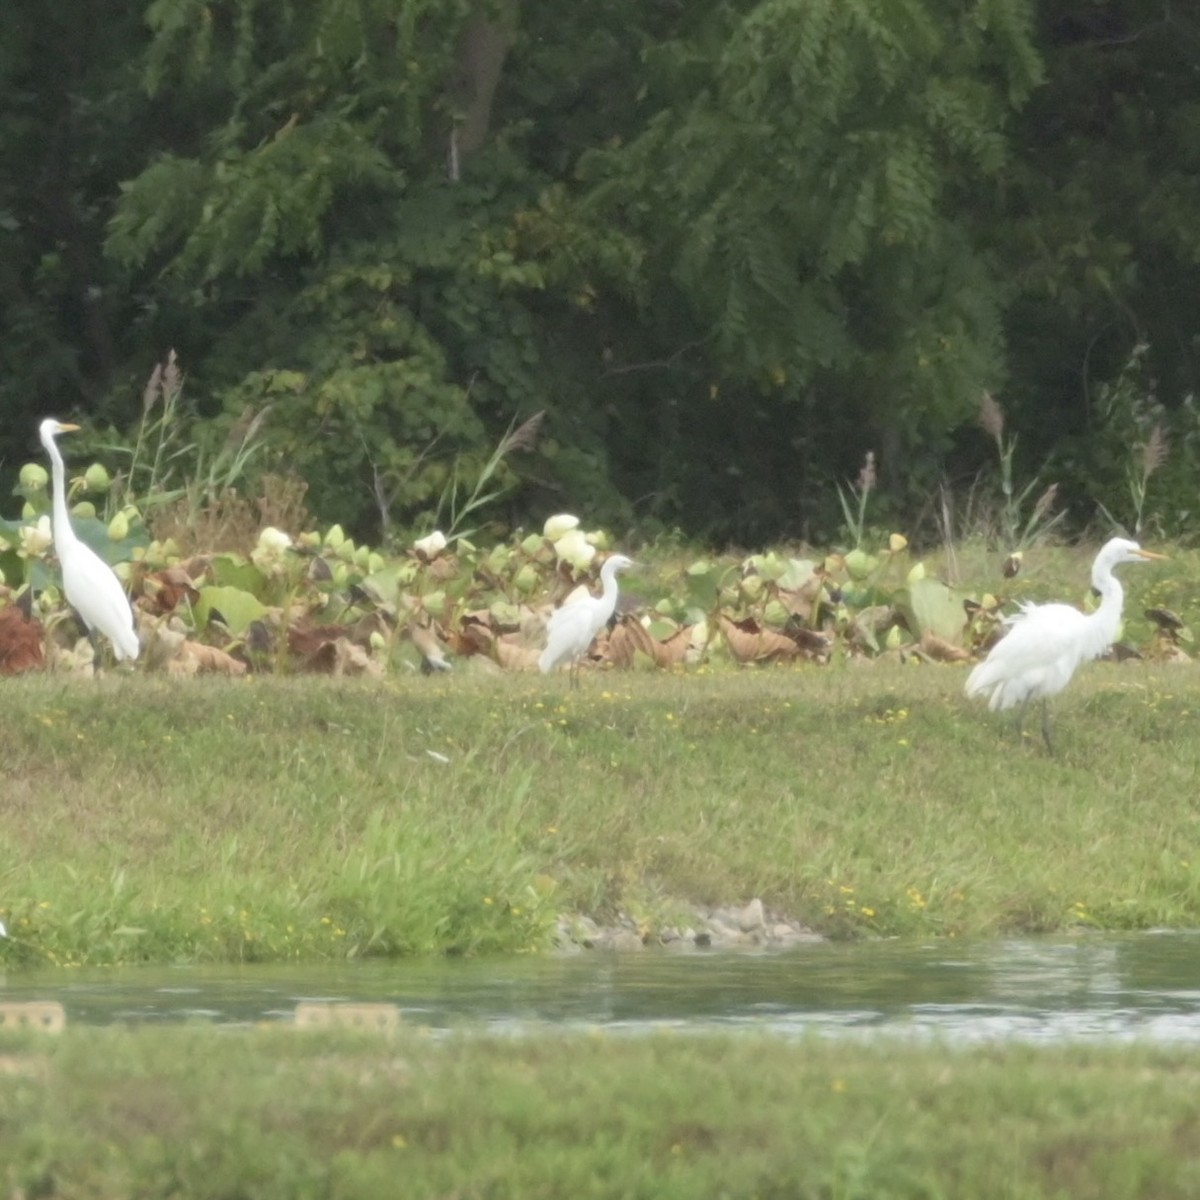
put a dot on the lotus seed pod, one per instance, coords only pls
(559, 525)
(335, 537)
(897, 542)
(435, 603)
(85, 508)
(309, 540)
(118, 527)
(599, 539)
(526, 579)
(532, 544)
(378, 641)
(34, 476)
(97, 478)
(345, 551)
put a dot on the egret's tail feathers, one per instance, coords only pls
(126, 645)
(981, 680)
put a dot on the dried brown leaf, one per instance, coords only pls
(941, 650)
(513, 654)
(21, 643)
(749, 641)
(211, 660)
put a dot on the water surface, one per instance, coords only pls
(1091, 987)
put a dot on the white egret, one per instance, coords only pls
(572, 628)
(1045, 643)
(89, 583)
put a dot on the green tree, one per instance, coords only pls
(813, 188)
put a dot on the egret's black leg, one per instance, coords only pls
(95, 652)
(1046, 725)
(1021, 721)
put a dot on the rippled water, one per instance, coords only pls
(1107, 987)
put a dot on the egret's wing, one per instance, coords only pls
(569, 632)
(96, 594)
(1038, 655)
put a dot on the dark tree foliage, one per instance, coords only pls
(728, 245)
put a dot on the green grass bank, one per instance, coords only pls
(150, 820)
(196, 1113)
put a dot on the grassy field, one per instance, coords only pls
(199, 1114)
(306, 819)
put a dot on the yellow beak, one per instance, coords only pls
(63, 427)
(1151, 554)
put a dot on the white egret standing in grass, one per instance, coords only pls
(89, 583)
(573, 628)
(1045, 643)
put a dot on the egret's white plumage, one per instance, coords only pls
(1046, 643)
(89, 583)
(573, 628)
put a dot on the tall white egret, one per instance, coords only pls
(1045, 643)
(573, 628)
(89, 583)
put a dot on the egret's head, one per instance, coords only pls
(618, 562)
(1116, 551)
(1122, 550)
(51, 428)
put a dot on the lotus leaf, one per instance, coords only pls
(497, 559)
(798, 574)
(238, 608)
(769, 566)
(933, 607)
(860, 564)
(95, 534)
(776, 614)
(703, 586)
(662, 629)
(229, 570)
(752, 587)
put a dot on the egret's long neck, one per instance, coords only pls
(608, 577)
(1107, 617)
(62, 522)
